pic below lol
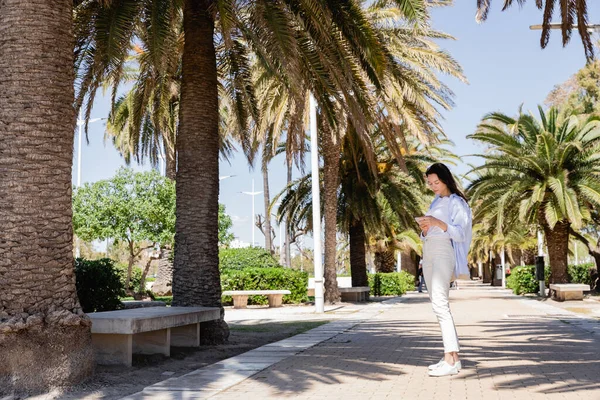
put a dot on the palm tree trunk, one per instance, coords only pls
(331, 167)
(45, 339)
(557, 240)
(288, 236)
(385, 261)
(267, 201)
(171, 163)
(487, 268)
(164, 277)
(196, 278)
(358, 263)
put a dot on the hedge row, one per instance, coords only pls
(251, 257)
(522, 279)
(391, 284)
(266, 279)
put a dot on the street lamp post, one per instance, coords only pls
(252, 193)
(80, 123)
(590, 28)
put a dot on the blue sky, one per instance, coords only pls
(501, 59)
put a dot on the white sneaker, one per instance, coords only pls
(444, 369)
(439, 364)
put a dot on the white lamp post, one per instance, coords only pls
(503, 269)
(252, 193)
(80, 124)
(316, 206)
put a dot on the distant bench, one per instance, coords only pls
(240, 297)
(116, 335)
(358, 294)
(355, 294)
(568, 291)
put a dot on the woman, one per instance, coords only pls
(446, 235)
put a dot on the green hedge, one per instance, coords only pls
(251, 257)
(99, 287)
(522, 279)
(582, 273)
(391, 284)
(266, 279)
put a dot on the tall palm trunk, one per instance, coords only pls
(196, 278)
(331, 167)
(358, 263)
(288, 236)
(45, 338)
(267, 201)
(557, 240)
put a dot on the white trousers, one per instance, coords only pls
(438, 269)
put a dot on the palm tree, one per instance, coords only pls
(46, 339)
(403, 106)
(318, 46)
(569, 11)
(542, 172)
(368, 205)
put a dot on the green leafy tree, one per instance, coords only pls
(131, 207)
(540, 172)
(580, 93)
(225, 224)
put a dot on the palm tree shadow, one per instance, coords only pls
(526, 351)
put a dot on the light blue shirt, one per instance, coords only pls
(455, 212)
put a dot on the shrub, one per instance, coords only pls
(136, 276)
(522, 280)
(391, 284)
(98, 285)
(251, 257)
(581, 273)
(266, 279)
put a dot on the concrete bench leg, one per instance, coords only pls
(275, 300)
(186, 336)
(112, 349)
(240, 301)
(569, 295)
(154, 342)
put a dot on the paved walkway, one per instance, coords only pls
(512, 348)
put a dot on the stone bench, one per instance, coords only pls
(240, 297)
(358, 294)
(116, 335)
(568, 291)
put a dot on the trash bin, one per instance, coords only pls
(499, 272)
(539, 268)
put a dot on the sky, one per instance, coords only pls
(501, 58)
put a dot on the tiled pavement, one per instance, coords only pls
(512, 348)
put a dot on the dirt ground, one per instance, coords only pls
(111, 383)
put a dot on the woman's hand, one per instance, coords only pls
(427, 222)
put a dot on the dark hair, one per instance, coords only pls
(444, 175)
